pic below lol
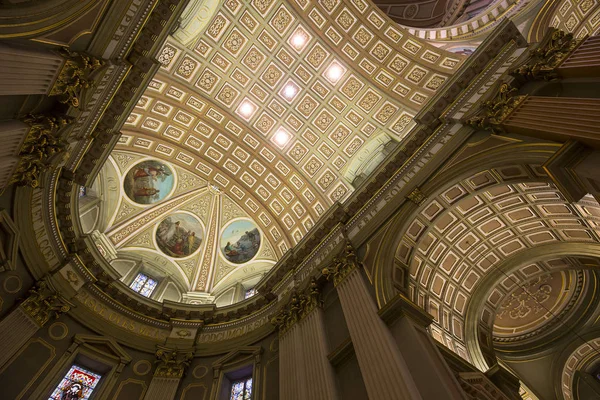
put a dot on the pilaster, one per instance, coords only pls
(171, 365)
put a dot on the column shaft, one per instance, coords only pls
(319, 372)
(584, 61)
(15, 330)
(384, 371)
(162, 388)
(27, 71)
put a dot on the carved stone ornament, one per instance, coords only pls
(74, 77)
(416, 196)
(41, 143)
(44, 304)
(172, 363)
(342, 266)
(547, 58)
(299, 306)
(494, 112)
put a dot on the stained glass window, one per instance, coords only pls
(241, 390)
(143, 284)
(82, 191)
(78, 383)
(250, 293)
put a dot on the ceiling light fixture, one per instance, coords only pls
(281, 137)
(299, 39)
(334, 72)
(246, 109)
(289, 91)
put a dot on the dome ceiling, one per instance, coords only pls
(272, 108)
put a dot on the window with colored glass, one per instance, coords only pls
(143, 284)
(78, 383)
(250, 293)
(82, 191)
(241, 390)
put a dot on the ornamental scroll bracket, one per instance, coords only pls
(74, 77)
(544, 61)
(44, 303)
(42, 142)
(494, 112)
(343, 265)
(171, 363)
(298, 307)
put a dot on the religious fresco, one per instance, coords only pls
(240, 241)
(148, 182)
(179, 235)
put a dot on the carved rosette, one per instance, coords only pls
(547, 58)
(74, 77)
(494, 112)
(299, 306)
(44, 304)
(172, 363)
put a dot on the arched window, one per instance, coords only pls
(241, 390)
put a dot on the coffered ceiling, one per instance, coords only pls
(274, 101)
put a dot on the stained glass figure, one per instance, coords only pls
(82, 191)
(250, 293)
(143, 284)
(241, 390)
(77, 384)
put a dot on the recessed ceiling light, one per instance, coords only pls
(246, 109)
(289, 91)
(299, 39)
(281, 137)
(334, 72)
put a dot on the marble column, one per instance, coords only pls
(384, 370)
(24, 321)
(319, 372)
(171, 365)
(408, 322)
(25, 71)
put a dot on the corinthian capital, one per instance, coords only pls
(343, 265)
(44, 304)
(172, 363)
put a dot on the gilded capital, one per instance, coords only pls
(494, 112)
(44, 304)
(172, 363)
(298, 307)
(342, 266)
(74, 77)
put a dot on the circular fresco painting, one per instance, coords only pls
(240, 241)
(179, 235)
(148, 182)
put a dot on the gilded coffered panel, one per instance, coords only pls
(463, 233)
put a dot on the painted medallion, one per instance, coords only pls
(179, 235)
(240, 241)
(148, 182)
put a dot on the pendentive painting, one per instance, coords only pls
(179, 235)
(240, 241)
(148, 182)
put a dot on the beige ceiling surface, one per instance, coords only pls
(192, 112)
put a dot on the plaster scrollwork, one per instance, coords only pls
(44, 304)
(172, 363)
(298, 307)
(527, 300)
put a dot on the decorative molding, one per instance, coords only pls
(172, 363)
(44, 304)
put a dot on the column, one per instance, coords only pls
(304, 369)
(556, 118)
(12, 134)
(584, 61)
(384, 370)
(407, 323)
(25, 71)
(23, 322)
(319, 372)
(169, 371)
